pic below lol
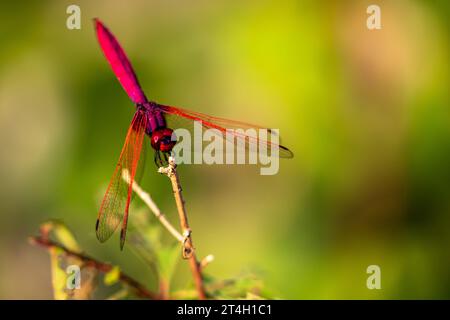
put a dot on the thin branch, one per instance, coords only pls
(170, 171)
(153, 207)
(140, 290)
(188, 247)
(206, 261)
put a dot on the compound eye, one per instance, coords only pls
(156, 139)
(166, 143)
(166, 146)
(167, 133)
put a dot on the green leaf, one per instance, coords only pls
(252, 296)
(112, 277)
(59, 260)
(66, 238)
(122, 294)
(62, 234)
(59, 276)
(167, 261)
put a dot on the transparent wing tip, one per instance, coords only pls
(286, 153)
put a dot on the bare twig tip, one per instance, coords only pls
(206, 260)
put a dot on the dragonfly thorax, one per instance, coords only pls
(162, 139)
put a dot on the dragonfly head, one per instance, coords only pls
(163, 139)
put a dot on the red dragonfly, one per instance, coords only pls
(149, 119)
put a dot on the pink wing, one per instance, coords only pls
(116, 202)
(221, 124)
(119, 63)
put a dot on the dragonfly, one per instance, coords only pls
(150, 119)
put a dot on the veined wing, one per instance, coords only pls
(116, 202)
(221, 124)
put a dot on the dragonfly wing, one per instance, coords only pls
(221, 124)
(119, 63)
(116, 202)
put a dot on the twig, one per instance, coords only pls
(153, 207)
(186, 240)
(206, 260)
(140, 290)
(188, 247)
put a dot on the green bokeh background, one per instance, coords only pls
(365, 112)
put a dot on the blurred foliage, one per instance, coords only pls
(162, 259)
(60, 262)
(366, 114)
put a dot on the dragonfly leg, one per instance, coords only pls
(166, 159)
(157, 159)
(161, 161)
